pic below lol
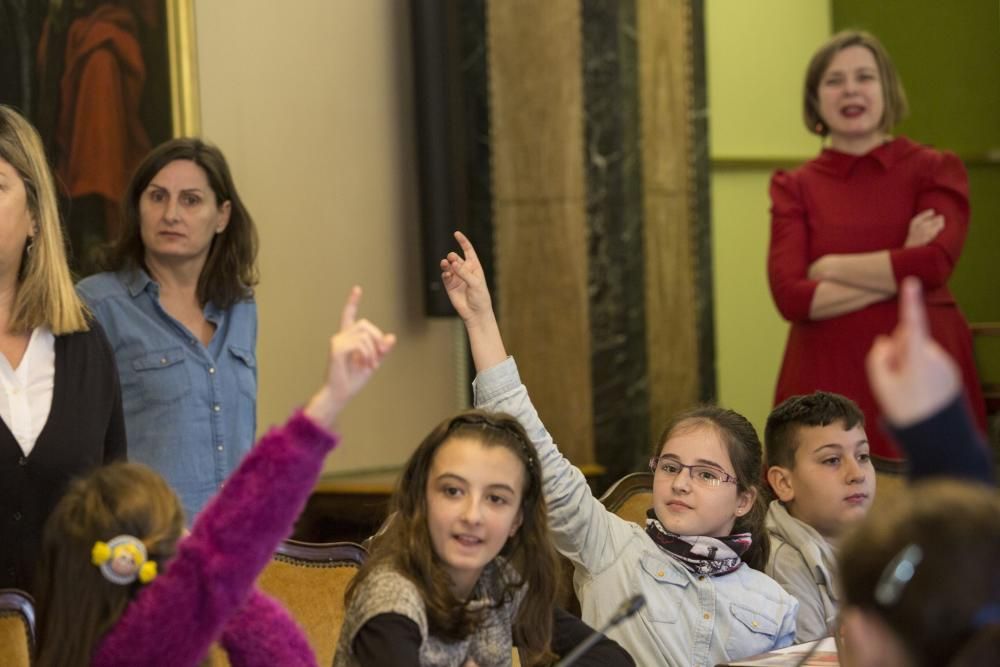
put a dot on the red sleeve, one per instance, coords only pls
(788, 257)
(946, 190)
(262, 634)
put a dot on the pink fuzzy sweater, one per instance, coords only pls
(206, 593)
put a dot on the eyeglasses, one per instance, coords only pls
(897, 574)
(702, 474)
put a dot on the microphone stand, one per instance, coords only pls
(627, 609)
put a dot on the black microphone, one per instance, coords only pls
(625, 609)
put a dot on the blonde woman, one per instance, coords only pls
(60, 403)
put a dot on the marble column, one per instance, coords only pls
(587, 170)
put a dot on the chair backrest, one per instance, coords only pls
(630, 497)
(310, 581)
(987, 338)
(17, 628)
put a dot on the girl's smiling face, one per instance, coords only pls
(473, 506)
(686, 506)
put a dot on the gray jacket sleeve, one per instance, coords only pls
(583, 530)
(788, 568)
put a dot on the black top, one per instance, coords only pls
(946, 444)
(85, 428)
(393, 640)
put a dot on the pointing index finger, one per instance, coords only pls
(350, 312)
(467, 250)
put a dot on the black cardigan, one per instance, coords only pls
(85, 428)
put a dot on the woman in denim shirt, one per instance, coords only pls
(178, 309)
(704, 603)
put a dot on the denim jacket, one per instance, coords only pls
(688, 619)
(190, 410)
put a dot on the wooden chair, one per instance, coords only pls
(630, 497)
(986, 338)
(309, 580)
(991, 388)
(17, 628)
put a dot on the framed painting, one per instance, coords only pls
(103, 81)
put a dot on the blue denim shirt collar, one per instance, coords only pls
(138, 281)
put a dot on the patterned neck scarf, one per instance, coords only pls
(699, 553)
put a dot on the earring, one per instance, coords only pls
(30, 244)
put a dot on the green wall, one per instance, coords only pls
(948, 55)
(756, 57)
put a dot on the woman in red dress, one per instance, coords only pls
(848, 226)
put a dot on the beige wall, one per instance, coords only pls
(756, 58)
(311, 102)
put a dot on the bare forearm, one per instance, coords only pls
(833, 298)
(866, 270)
(485, 342)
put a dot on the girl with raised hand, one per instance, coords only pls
(698, 559)
(119, 586)
(464, 570)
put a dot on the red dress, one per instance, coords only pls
(840, 204)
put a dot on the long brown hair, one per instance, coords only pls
(745, 451)
(230, 271)
(76, 604)
(948, 612)
(405, 544)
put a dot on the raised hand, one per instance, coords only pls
(356, 352)
(924, 227)
(465, 282)
(911, 376)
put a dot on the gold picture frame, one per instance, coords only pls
(182, 45)
(103, 82)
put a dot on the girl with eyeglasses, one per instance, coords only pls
(464, 570)
(698, 560)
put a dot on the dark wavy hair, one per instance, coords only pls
(76, 604)
(820, 408)
(405, 543)
(230, 272)
(746, 453)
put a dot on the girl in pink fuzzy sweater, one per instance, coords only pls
(118, 585)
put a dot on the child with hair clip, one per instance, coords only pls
(118, 585)
(698, 561)
(464, 570)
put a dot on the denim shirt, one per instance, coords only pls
(688, 619)
(190, 410)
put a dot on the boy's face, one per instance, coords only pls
(833, 482)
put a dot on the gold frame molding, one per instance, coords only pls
(182, 44)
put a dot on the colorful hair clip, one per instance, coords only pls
(123, 559)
